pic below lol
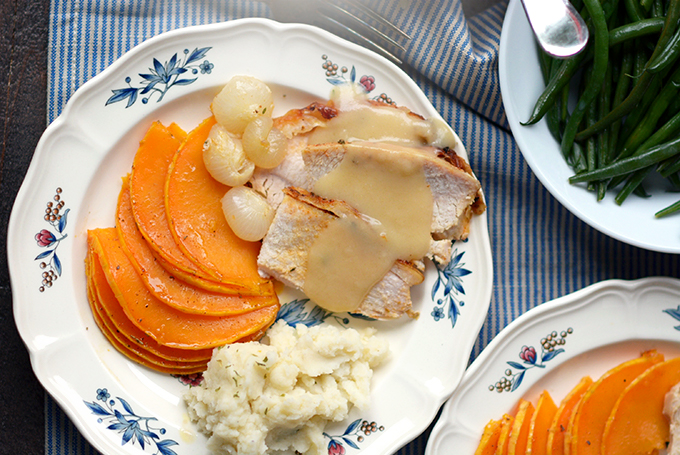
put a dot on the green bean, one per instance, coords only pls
(669, 27)
(644, 80)
(554, 113)
(571, 66)
(641, 192)
(546, 62)
(667, 130)
(648, 158)
(632, 183)
(591, 143)
(578, 160)
(567, 69)
(635, 30)
(668, 210)
(620, 92)
(657, 8)
(675, 180)
(669, 166)
(634, 118)
(600, 62)
(646, 126)
(603, 151)
(635, 12)
(623, 109)
(668, 56)
(646, 4)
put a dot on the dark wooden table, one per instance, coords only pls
(23, 59)
(23, 81)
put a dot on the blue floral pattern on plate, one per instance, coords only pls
(163, 76)
(131, 427)
(550, 347)
(56, 217)
(675, 313)
(450, 277)
(296, 312)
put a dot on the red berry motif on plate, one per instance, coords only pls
(339, 75)
(56, 216)
(550, 347)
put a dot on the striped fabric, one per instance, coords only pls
(540, 250)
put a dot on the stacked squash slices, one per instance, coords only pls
(621, 413)
(171, 281)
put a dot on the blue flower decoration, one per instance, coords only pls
(103, 395)
(206, 67)
(675, 314)
(132, 428)
(294, 313)
(163, 76)
(437, 313)
(450, 278)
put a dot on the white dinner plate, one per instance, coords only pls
(632, 222)
(83, 155)
(602, 326)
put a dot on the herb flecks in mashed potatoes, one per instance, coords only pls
(261, 398)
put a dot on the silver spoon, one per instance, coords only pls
(559, 28)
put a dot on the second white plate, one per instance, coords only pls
(601, 326)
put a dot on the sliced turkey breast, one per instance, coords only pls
(298, 222)
(456, 193)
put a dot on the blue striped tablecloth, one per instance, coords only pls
(540, 250)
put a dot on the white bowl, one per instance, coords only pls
(521, 83)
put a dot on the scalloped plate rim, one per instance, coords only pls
(51, 382)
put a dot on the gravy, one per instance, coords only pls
(352, 255)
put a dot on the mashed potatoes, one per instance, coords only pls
(277, 398)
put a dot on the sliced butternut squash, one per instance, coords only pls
(504, 435)
(109, 307)
(147, 190)
(197, 222)
(489, 441)
(165, 324)
(520, 428)
(637, 424)
(177, 131)
(589, 421)
(558, 428)
(125, 346)
(170, 289)
(540, 424)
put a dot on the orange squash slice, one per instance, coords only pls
(504, 434)
(540, 424)
(167, 325)
(589, 421)
(489, 441)
(558, 428)
(130, 348)
(147, 191)
(108, 306)
(177, 131)
(197, 222)
(172, 290)
(637, 424)
(520, 428)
